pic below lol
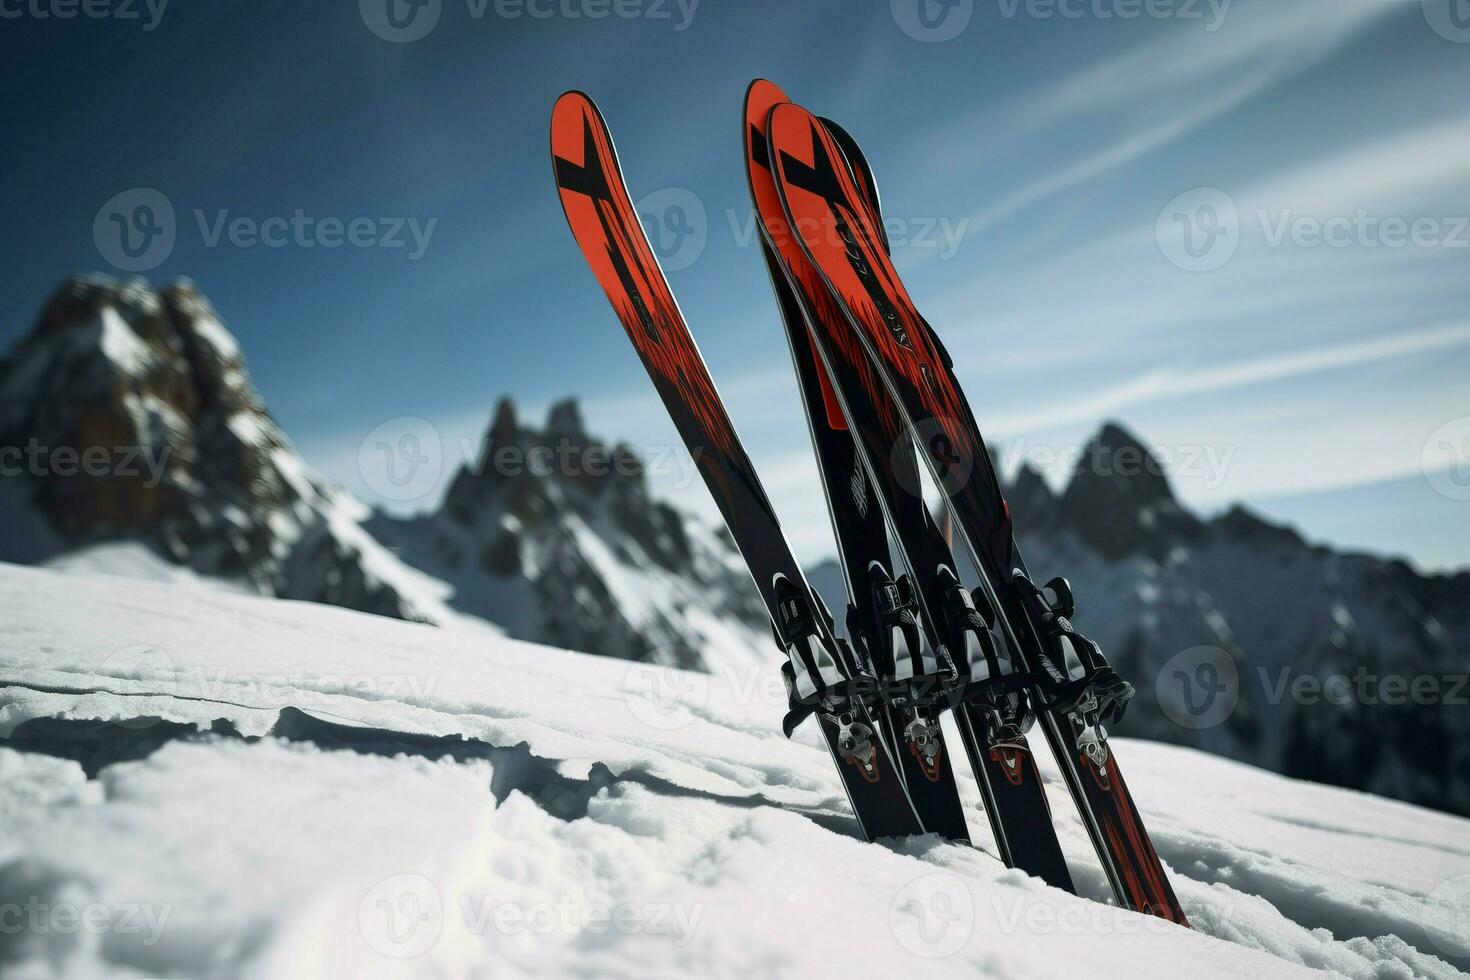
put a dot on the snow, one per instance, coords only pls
(247, 428)
(417, 801)
(131, 559)
(215, 334)
(122, 346)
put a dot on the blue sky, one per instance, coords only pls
(1105, 217)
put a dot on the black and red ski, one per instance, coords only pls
(821, 673)
(882, 616)
(1072, 687)
(991, 718)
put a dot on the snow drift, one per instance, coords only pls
(205, 784)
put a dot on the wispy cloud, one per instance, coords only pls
(1159, 92)
(1158, 385)
(1389, 168)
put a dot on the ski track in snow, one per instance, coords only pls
(413, 801)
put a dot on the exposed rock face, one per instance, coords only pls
(129, 415)
(1119, 502)
(552, 533)
(1247, 640)
(1318, 639)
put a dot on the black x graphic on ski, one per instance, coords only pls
(589, 179)
(819, 178)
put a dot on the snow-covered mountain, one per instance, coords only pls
(192, 476)
(1248, 640)
(1243, 638)
(552, 534)
(134, 440)
(198, 783)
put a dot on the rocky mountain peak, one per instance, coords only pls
(565, 420)
(138, 422)
(525, 476)
(1119, 500)
(553, 534)
(1033, 504)
(503, 424)
(1245, 526)
(1117, 464)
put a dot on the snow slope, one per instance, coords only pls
(195, 783)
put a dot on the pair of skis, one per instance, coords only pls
(882, 402)
(959, 664)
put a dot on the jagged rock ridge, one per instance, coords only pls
(1164, 591)
(136, 420)
(553, 534)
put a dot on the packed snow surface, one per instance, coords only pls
(197, 783)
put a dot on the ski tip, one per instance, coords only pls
(576, 125)
(566, 114)
(760, 96)
(572, 97)
(764, 90)
(789, 112)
